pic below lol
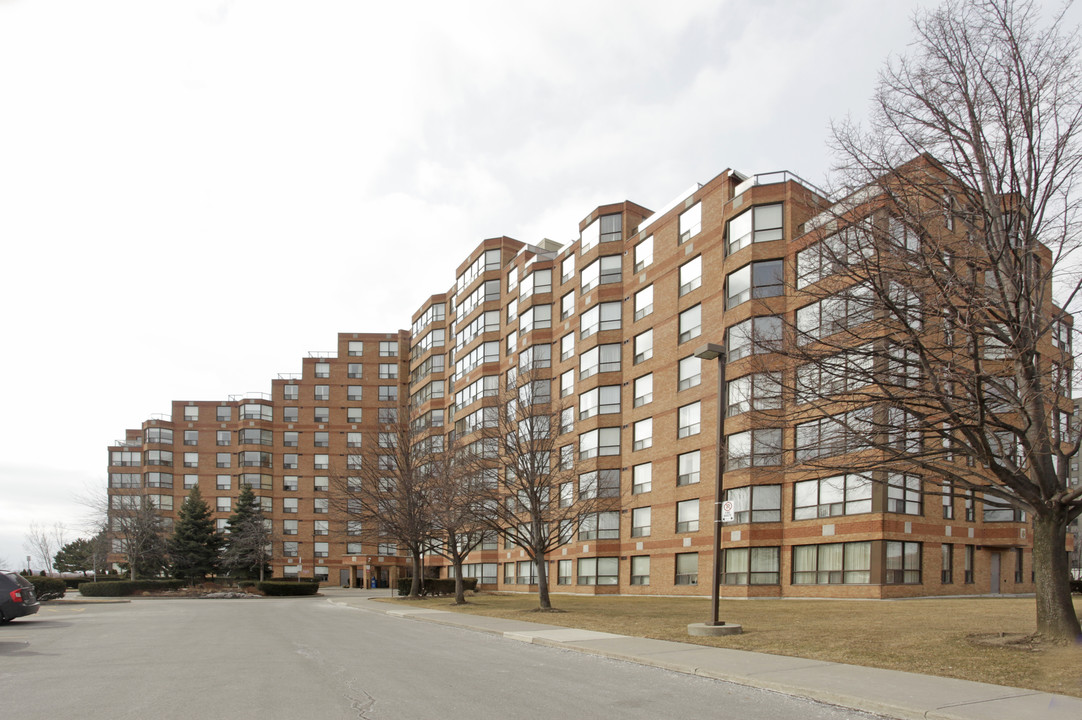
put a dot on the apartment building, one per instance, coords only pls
(610, 323)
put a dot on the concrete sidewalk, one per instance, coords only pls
(889, 692)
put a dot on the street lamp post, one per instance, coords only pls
(716, 626)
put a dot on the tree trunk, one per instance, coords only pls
(460, 586)
(542, 582)
(1055, 612)
(415, 586)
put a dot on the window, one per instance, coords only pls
(159, 435)
(567, 383)
(690, 224)
(756, 280)
(256, 411)
(567, 305)
(751, 566)
(354, 393)
(321, 414)
(321, 527)
(538, 281)
(191, 459)
(354, 415)
(946, 573)
(832, 563)
(843, 311)
(600, 526)
(644, 253)
(224, 482)
(322, 392)
(159, 457)
(323, 370)
(291, 438)
(759, 224)
(603, 358)
(903, 494)
(321, 483)
(603, 441)
(687, 569)
(754, 335)
(191, 413)
(996, 510)
(643, 434)
(760, 447)
(849, 494)
(599, 318)
(125, 458)
(1019, 570)
(223, 504)
(534, 318)
(289, 527)
(644, 346)
(687, 468)
(689, 373)
(191, 437)
(223, 413)
(602, 400)
(687, 516)
(567, 346)
(599, 571)
(526, 572)
(190, 481)
(355, 371)
(388, 348)
(691, 323)
(535, 357)
(567, 268)
(321, 439)
(644, 390)
(290, 505)
(355, 348)
(290, 461)
(563, 572)
(290, 414)
(835, 435)
(758, 503)
(644, 302)
(290, 483)
(321, 506)
(903, 563)
(691, 275)
(604, 270)
(388, 393)
(640, 570)
(612, 227)
(948, 500)
(599, 483)
(641, 478)
(159, 479)
(640, 522)
(223, 437)
(687, 420)
(760, 391)
(969, 558)
(321, 549)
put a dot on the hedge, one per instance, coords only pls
(127, 587)
(436, 586)
(73, 583)
(47, 588)
(286, 587)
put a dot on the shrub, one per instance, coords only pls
(287, 587)
(120, 588)
(1076, 586)
(47, 588)
(436, 586)
(73, 583)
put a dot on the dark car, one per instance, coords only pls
(16, 597)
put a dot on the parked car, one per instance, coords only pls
(16, 597)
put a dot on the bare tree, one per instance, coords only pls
(43, 542)
(390, 497)
(457, 490)
(929, 343)
(135, 528)
(532, 500)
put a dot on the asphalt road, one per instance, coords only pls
(308, 658)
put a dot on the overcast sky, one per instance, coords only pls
(195, 194)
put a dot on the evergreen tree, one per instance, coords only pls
(247, 544)
(195, 544)
(76, 556)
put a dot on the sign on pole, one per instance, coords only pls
(727, 511)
